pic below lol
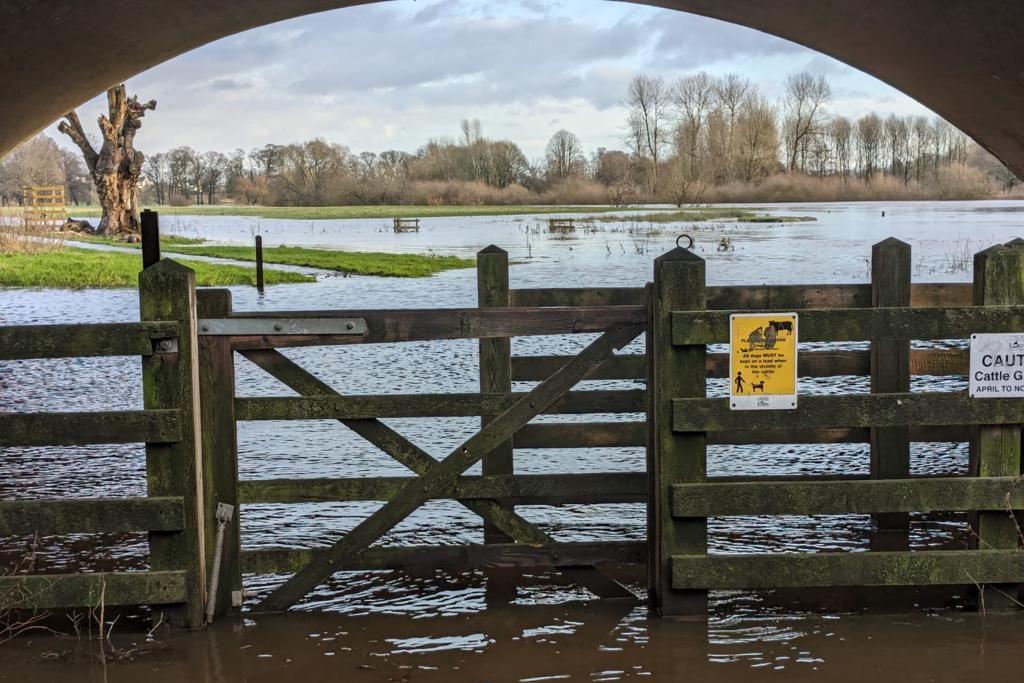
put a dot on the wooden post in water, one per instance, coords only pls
(220, 449)
(259, 263)
(150, 223)
(495, 377)
(675, 458)
(890, 374)
(170, 379)
(996, 449)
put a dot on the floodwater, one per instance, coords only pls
(391, 626)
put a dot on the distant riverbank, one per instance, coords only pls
(367, 211)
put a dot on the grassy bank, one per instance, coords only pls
(323, 212)
(86, 268)
(167, 241)
(354, 262)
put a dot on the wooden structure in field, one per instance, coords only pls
(406, 224)
(189, 339)
(43, 205)
(561, 225)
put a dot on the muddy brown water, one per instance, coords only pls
(435, 626)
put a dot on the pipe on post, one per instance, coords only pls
(224, 514)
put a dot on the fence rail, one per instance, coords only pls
(77, 429)
(19, 342)
(91, 515)
(759, 298)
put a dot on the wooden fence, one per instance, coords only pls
(44, 205)
(171, 512)
(406, 224)
(190, 338)
(687, 316)
(561, 225)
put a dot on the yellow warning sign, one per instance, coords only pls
(762, 361)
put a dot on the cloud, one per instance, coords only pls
(392, 75)
(690, 42)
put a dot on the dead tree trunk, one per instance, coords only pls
(116, 168)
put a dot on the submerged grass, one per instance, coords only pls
(85, 268)
(776, 219)
(354, 262)
(683, 215)
(379, 211)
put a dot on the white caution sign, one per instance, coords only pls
(997, 366)
(762, 361)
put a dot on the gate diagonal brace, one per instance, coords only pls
(419, 461)
(444, 473)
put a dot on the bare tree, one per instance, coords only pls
(309, 168)
(731, 91)
(840, 133)
(215, 164)
(757, 140)
(507, 165)
(76, 177)
(647, 103)
(869, 144)
(694, 98)
(804, 106)
(116, 167)
(564, 156)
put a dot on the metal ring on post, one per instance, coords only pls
(689, 246)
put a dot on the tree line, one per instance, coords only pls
(698, 139)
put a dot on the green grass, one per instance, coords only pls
(85, 268)
(682, 216)
(381, 211)
(355, 262)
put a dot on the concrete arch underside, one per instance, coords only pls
(961, 58)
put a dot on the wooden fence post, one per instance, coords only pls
(890, 373)
(675, 458)
(170, 379)
(259, 263)
(150, 226)
(495, 377)
(996, 449)
(220, 448)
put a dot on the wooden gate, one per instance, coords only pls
(687, 317)
(512, 541)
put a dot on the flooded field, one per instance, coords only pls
(389, 626)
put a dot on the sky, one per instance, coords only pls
(395, 74)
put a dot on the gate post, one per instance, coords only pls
(996, 449)
(170, 379)
(673, 457)
(220, 449)
(495, 377)
(890, 374)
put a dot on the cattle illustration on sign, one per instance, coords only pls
(762, 361)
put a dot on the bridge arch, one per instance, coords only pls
(960, 59)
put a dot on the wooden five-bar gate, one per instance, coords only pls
(188, 340)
